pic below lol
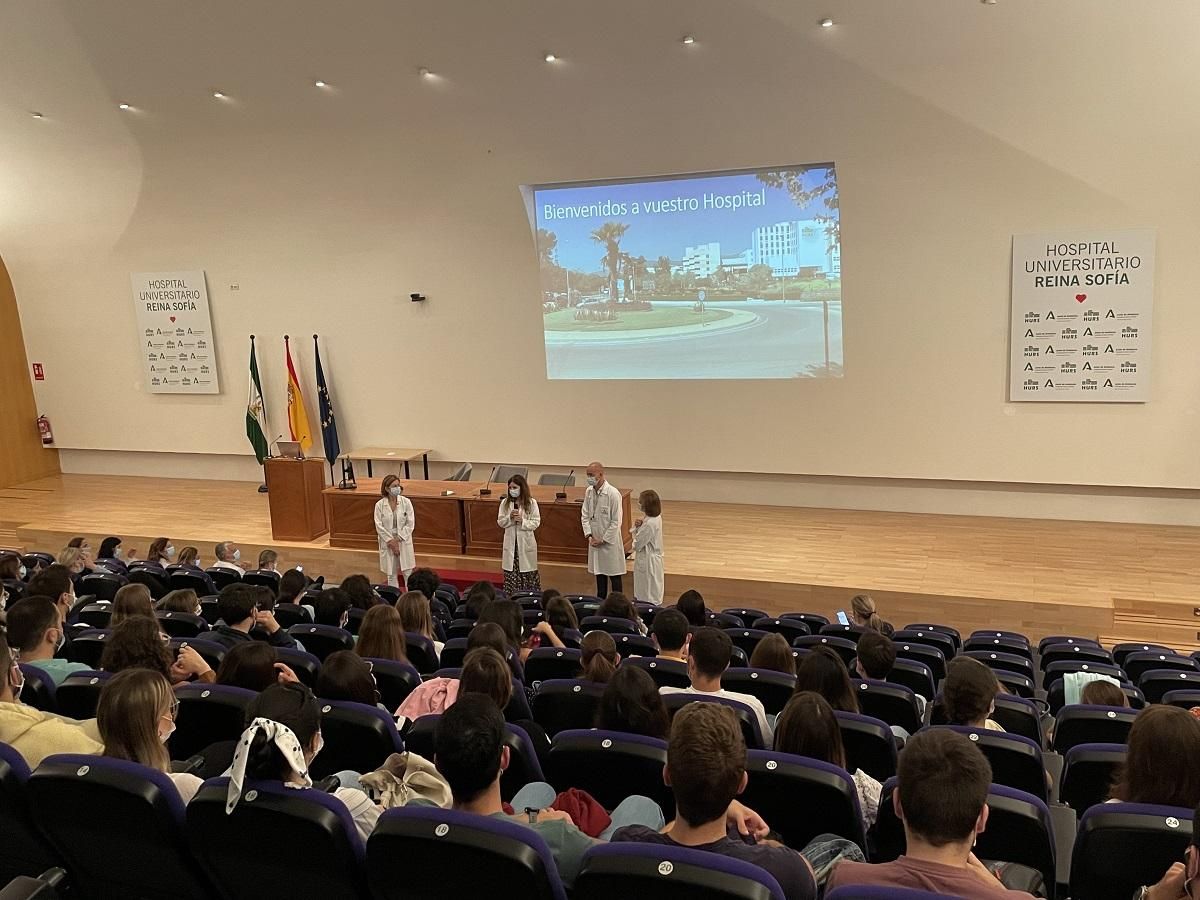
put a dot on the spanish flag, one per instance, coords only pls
(297, 417)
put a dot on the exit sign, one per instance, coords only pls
(39, 374)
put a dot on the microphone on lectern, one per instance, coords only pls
(561, 493)
(486, 491)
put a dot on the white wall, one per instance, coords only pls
(328, 208)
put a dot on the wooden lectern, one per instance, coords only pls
(294, 492)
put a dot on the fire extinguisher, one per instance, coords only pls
(44, 431)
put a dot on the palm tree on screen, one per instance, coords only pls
(609, 234)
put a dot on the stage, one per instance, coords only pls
(1114, 581)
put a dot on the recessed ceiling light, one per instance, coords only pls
(320, 84)
(36, 115)
(688, 39)
(988, 2)
(217, 95)
(826, 23)
(550, 57)
(124, 106)
(424, 72)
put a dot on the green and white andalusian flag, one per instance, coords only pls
(256, 414)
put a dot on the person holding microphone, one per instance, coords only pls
(520, 518)
(394, 524)
(602, 527)
(648, 549)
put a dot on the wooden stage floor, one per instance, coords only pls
(1116, 581)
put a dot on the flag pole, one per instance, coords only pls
(262, 488)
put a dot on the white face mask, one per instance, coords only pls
(170, 731)
(62, 639)
(591, 480)
(170, 551)
(318, 746)
(17, 688)
(237, 554)
(116, 553)
(514, 492)
(23, 572)
(395, 490)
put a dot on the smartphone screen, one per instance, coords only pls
(841, 617)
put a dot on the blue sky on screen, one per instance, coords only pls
(653, 234)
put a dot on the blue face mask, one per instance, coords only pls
(591, 480)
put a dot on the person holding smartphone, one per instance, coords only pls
(519, 517)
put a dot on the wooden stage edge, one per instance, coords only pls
(1114, 582)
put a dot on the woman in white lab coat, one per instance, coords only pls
(648, 549)
(394, 524)
(519, 517)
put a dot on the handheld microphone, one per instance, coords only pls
(486, 491)
(561, 493)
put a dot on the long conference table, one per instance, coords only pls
(453, 518)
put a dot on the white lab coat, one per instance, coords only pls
(648, 560)
(519, 538)
(398, 524)
(602, 518)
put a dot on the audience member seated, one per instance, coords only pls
(182, 601)
(136, 716)
(479, 596)
(560, 615)
(632, 704)
(55, 583)
(808, 727)
(381, 635)
(708, 658)
(111, 548)
(131, 600)
(1162, 765)
(969, 693)
(671, 634)
(862, 612)
(268, 561)
(706, 770)
(228, 555)
(470, 754)
(435, 695)
(282, 738)
(189, 558)
(822, 671)
(773, 652)
(1182, 880)
(255, 666)
(358, 589)
(33, 733)
(237, 605)
(35, 632)
(506, 614)
(599, 657)
(161, 552)
(425, 581)
(292, 586)
(416, 618)
(11, 567)
(618, 605)
(876, 659)
(138, 644)
(941, 797)
(74, 561)
(1103, 693)
(691, 604)
(347, 676)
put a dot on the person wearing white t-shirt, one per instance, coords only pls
(709, 653)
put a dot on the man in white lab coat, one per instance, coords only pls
(602, 527)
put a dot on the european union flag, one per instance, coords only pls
(329, 434)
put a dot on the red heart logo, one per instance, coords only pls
(173, 318)
(1079, 297)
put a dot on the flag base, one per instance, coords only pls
(262, 488)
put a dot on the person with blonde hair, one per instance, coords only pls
(417, 619)
(648, 549)
(862, 612)
(136, 716)
(74, 559)
(381, 634)
(189, 557)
